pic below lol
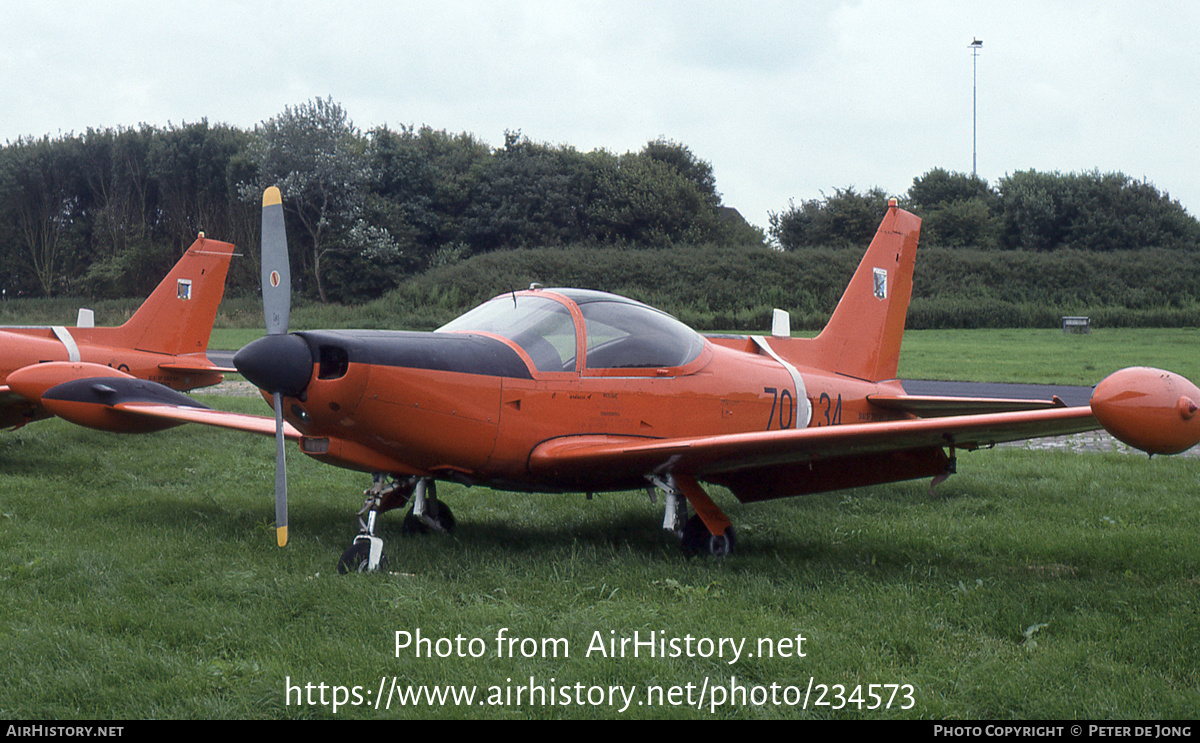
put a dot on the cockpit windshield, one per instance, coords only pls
(620, 333)
(541, 326)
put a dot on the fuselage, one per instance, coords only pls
(163, 342)
(21, 347)
(475, 399)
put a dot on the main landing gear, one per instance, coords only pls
(428, 514)
(708, 531)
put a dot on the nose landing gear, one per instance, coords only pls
(428, 514)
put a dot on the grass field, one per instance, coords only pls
(140, 580)
(1045, 356)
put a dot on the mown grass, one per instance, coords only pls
(1045, 356)
(139, 578)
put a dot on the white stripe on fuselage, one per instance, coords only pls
(801, 393)
(64, 335)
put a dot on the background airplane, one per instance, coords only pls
(164, 341)
(574, 390)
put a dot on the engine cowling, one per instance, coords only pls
(1153, 410)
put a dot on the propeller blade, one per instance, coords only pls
(277, 306)
(276, 272)
(281, 516)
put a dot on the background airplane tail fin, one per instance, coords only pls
(177, 317)
(862, 338)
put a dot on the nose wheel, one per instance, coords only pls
(428, 514)
(363, 556)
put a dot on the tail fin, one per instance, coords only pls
(177, 317)
(862, 338)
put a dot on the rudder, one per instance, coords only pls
(177, 317)
(862, 338)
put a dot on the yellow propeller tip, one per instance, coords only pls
(281, 536)
(271, 197)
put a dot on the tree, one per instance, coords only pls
(681, 159)
(189, 165)
(315, 155)
(940, 187)
(646, 201)
(529, 195)
(37, 186)
(1091, 211)
(847, 218)
(957, 209)
(426, 181)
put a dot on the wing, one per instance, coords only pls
(773, 464)
(935, 406)
(1151, 409)
(108, 399)
(176, 414)
(333, 450)
(16, 411)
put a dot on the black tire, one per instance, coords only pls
(698, 540)
(437, 511)
(355, 558)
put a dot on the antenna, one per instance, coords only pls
(975, 46)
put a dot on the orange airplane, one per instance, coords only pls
(554, 390)
(165, 341)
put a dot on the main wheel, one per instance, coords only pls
(698, 540)
(436, 510)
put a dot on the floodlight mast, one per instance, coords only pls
(976, 45)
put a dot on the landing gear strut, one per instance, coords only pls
(708, 531)
(427, 514)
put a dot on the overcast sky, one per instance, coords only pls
(786, 99)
